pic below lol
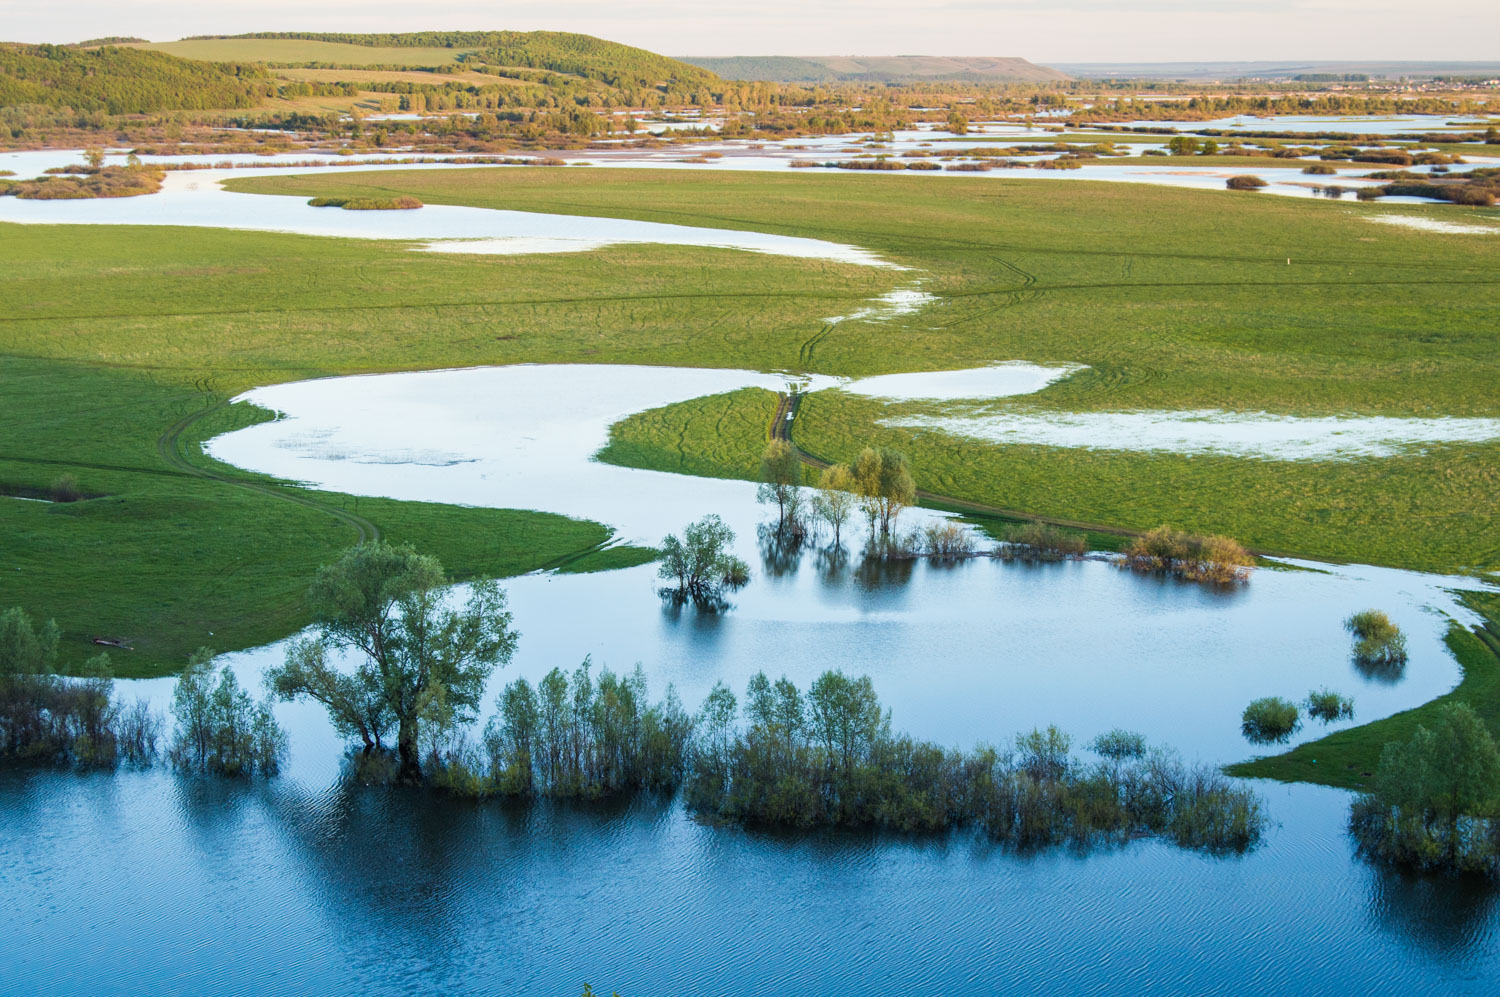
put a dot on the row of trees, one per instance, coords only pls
(878, 483)
(828, 756)
(44, 717)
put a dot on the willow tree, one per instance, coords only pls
(422, 664)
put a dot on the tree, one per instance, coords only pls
(883, 481)
(1429, 790)
(957, 123)
(424, 665)
(1182, 145)
(700, 562)
(835, 499)
(781, 478)
(94, 157)
(846, 716)
(219, 729)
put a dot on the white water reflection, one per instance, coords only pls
(1211, 431)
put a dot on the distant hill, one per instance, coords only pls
(1288, 70)
(558, 51)
(875, 69)
(123, 80)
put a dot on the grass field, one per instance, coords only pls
(296, 50)
(1176, 299)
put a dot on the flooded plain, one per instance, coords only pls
(307, 883)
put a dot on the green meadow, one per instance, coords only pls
(122, 344)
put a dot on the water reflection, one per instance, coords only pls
(1446, 916)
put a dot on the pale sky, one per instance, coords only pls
(1040, 30)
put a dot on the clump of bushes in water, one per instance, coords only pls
(1245, 182)
(1435, 804)
(1328, 706)
(1037, 541)
(367, 203)
(1377, 640)
(1476, 188)
(828, 757)
(1320, 169)
(91, 182)
(701, 564)
(947, 540)
(78, 721)
(1270, 720)
(1214, 559)
(593, 737)
(219, 729)
(65, 721)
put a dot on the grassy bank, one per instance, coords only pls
(1348, 758)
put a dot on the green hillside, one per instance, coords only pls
(123, 80)
(562, 52)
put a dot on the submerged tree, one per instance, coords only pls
(423, 665)
(781, 481)
(219, 729)
(835, 500)
(1435, 803)
(700, 563)
(883, 480)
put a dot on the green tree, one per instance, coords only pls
(835, 500)
(957, 123)
(883, 480)
(846, 717)
(1443, 774)
(425, 663)
(700, 562)
(219, 729)
(781, 480)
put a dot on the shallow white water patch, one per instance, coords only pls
(1434, 225)
(198, 199)
(1211, 431)
(1001, 380)
(903, 301)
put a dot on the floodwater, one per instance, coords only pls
(1210, 431)
(144, 882)
(197, 199)
(1391, 124)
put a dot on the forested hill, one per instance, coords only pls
(559, 51)
(123, 80)
(875, 69)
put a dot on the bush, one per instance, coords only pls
(948, 540)
(1271, 720)
(1377, 640)
(1244, 182)
(367, 203)
(1037, 541)
(1319, 169)
(1328, 706)
(64, 489)
(1213, 559)
(1119, 743)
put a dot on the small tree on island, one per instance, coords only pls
(700, 563)
(424, 665)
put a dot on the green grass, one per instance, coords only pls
(1349, 758)
(1175, 298)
